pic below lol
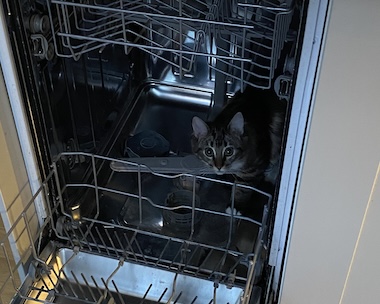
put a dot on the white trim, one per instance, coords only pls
(9, 70)
(307, 78)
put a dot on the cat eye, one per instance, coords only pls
(229, 151)
(209, 152)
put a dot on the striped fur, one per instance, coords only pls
(245, 138)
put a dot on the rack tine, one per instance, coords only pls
(139, 248)
(79, 285)
(102, 240)
(62, 272)
(173, 288)
(100, 299)
(130, 247)
(146, 294)
(112, 243)
(57, 283)
(169, 241)
(118, 292)
(178, 297)
(88, 287)
(120, 264)
(162, 295)
(107, 291)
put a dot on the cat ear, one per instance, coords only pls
(237, 124)
(200, 128)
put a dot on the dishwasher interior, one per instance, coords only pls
(130, 215)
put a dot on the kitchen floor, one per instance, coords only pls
(7, 289)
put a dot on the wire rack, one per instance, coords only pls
(90, 258)
(241, 39)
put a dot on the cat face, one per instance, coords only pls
(219, 147)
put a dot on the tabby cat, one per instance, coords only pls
(244, 139)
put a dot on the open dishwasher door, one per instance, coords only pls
(120, 222)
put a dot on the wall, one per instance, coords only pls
(15, 191)
(334, 249)
(15, 195)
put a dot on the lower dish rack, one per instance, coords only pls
(173, 243)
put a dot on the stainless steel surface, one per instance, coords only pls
(75, 277)
(131, 283)
(158, 107)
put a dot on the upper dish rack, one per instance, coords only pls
(241, 40)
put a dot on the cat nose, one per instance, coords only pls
(219, 165)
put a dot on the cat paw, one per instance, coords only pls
(233, 211)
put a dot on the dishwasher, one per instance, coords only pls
(124, 212)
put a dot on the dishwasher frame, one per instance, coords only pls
(307, 78)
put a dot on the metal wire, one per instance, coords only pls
(54, 276)
(246, 36)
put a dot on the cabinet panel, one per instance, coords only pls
(340, 165)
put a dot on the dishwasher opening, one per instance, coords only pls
(132, 215)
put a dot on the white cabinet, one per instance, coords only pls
(334, 245)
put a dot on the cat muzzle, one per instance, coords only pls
(219, 171)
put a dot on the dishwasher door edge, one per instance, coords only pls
(7, 63)
(307, 81)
